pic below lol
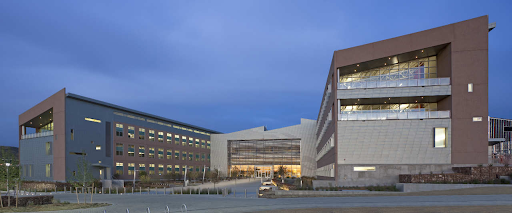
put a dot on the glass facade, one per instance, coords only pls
(247, 156)
(415, 69)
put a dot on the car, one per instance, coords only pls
(267, 187)
(267, 183)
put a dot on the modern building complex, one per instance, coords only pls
(114, 139)
(411, 104)
(500, 143)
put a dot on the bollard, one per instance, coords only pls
(234, 192)
(172, 190)
(124, 189)
(55, 189)
(245, 193)
(148, 211)
(44, 189)
(133, 189)
(257, 193)
(156, 190)
(182, 190)
(140, 190)
(217, 191)
(199, 190)
(190, 190)
(109, 190)
(149, 191)
(164, 190)
(117, 190)
(208, 191)
(64, 189)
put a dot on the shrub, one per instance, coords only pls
(145, 179)
(474, 181)
(382, 188)
(503, 181)
(31, 200)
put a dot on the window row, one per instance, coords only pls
(160, 169)
(161, 137)
(161, 153)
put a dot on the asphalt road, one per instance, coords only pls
(214, 203)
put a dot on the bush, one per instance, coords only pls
(145, 179)
(382, 188)
(474, 181)
(503, 181)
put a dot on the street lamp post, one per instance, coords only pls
(8, 197)
(204, 171)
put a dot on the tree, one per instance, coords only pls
(250, 171)
(281, 171)
(83, 176)
(14, 169)
(215, 177)
(193, 175)
(235, 171)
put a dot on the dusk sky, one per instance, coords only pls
(222, 65)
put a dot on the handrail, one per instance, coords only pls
(37, 135)
(394, 83)
(394, 115)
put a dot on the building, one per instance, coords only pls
(260, 152)
(113, 139)
(500, 144)
(410, 104)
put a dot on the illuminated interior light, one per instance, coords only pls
(355, 70)
(421, 97)
(93, 120)
(421, 50)
(389, 58)
(358, 65)
(416, 56)
(385, 63)
(384, 102)
(39, 117)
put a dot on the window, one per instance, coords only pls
(131, 150)
(161, 137)
(197, 169)
(160, 153)
(183, 155)
(151, 153)
(152, 135)
(176, 155)
(151, 169)
(439, 137)
(142, 150)
(169, 138)
(197, 157)
(169, 154)
(48, 170)
(183, 140)
(191, 168)
(119, 149)
(203, 144)
(72, 135)
(364, 168)
(119, 130)
(202, 157)
(131, 168)
(177, 139)
(183, 169)
(48, 148)
(131, 132)
(208, 157)
(190, 156)
(169, 169)
(98, 147)
(177, 168)
(142, 133)
(119, 168)
(470, 87)
(197, 143)
(208, 144)
(191, 142)
(475, 119)
(160, 169)
(142, 167)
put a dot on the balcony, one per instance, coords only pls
(379, 115)
(37, 135)
(394, 83)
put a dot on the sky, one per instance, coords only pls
(221, 65)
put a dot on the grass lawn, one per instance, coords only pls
(53, 207)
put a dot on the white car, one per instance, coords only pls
(267, 183)
(267, 187)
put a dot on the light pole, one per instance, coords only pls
(134, 173)
(204, 171)
(8, 197)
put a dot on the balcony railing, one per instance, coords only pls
(37, 135)
(393, 115)
(395, 83)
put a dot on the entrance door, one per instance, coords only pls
(102, 174)
(263, 171)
